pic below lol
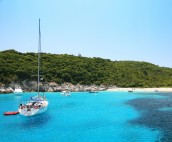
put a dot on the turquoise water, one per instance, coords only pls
(82, 117)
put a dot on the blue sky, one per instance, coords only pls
(139, 30)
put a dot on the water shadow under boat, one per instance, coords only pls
(35, 121)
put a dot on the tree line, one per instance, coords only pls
(17, 67)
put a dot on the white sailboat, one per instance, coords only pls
(66, 93)
(37, 104)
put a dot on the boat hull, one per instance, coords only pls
(11, 113)
(18, 91)
(34, 110)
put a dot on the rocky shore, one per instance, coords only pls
(31, 86)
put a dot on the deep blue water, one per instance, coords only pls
(89, 117)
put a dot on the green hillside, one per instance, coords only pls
(16, 67)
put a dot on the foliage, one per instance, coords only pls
(16, 67)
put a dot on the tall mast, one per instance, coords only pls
(39, 52)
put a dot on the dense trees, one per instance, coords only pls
(16, 67)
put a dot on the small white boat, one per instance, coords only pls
(66, 93)
(18, 90)
(93, 91)
(155, 90)
(130, 90)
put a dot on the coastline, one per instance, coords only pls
(139, 90)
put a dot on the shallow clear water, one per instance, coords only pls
(86, 117)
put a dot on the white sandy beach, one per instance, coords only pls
(141, 89)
